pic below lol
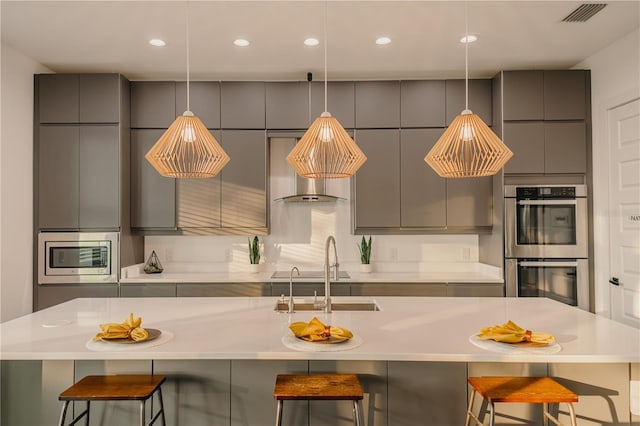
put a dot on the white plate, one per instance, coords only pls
(292, 342)
(511, 348)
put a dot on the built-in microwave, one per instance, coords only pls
(77, 257)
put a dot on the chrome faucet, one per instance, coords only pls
(290, 311)
(327, 272)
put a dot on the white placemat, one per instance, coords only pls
(102, 346)
(510, 348)
(292, 342)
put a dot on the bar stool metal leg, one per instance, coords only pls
(470, 414)
(142, 404)
(164, 421)
(63, 413)
(88, 408)
(357, 413)
(279, 413)
(492, 414)
(572, 414)
(545, 414)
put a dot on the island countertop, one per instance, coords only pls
(405, 329)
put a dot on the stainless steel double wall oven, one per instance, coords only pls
(546, 242)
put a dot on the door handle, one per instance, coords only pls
(614, 281)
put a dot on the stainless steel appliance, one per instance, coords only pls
(78, 257)
(546, 221)
(546, 243)
(564, 280)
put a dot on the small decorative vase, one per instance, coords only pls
(366, 268)
(153, 265)
(254, 268)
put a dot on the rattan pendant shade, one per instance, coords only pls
(468, 148)
(187, 150)
(326, 151)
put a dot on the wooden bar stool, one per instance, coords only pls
(533, 390)
(318, 387)
(114, 388)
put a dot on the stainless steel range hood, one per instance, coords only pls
(309, 191)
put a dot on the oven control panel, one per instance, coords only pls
(546, 193)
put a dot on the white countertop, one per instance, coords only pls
(439, 273)
(406, 329)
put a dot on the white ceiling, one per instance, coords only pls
(112, 36)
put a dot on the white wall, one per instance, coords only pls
(615, 79)
(299, 231)
(16, 181)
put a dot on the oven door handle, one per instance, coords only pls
(546, 202)
(545, 263)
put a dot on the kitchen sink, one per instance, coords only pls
(335, 306)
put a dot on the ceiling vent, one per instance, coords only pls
(584, 12)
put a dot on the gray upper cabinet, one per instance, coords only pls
(526, 140)
(523, 95)
(74, 98)
(422, 103)
(340, 101)
(58, 98)
(423, 192)
(377, 183)
(99, 153)
(99, 98)
(244, 180)
(565, 147)
(152, 196)
(565, 95)
(78, 177)
(58, 177)
(287, 105)
(153, 104)
(242, 105)
(469, 203)
(377, 104)
(479, 99)
(204, 101)
(546, 147)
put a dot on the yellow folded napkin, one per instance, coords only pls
(129, 329)
(316, 331)
(510, 332)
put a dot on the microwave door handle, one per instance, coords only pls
(544, 263)
(546, 202)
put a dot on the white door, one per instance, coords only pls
(624, 212)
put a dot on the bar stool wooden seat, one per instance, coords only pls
(533, 390)
(114, 388)
(318, 387)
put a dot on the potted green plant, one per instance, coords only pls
(365, 254)
(254, 253)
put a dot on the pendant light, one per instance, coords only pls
(468, 148)
(326, 151)
(187, 149)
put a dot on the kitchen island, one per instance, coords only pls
(413, 357)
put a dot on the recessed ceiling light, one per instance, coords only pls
(157, 42)
(468, 39)
(241, 42)
(383, 40)
(312, 41)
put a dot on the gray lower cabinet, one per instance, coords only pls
(546, 147)
(377, 183)
(223, 289)
(78, 177)
(479, 99)
(475, 289)
(54, 294)
(153, 197)
(148, 290)
(309, 289)
(399, 289)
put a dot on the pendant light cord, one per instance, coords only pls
(466, 56)
(325, 56)
(188, 70)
